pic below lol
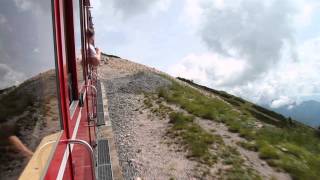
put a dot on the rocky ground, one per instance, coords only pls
(145, 150)
(33, 122)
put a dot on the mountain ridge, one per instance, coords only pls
(224, 135)
(307, 112)
(299, 113)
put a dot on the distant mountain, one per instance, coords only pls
(307, 112)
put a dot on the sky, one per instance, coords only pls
(26, 40)
(263, 51)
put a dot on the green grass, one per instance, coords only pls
(156, 106)
(147, 101)
(199, 143)
(295, 149)
(251, 145)
(193, 137)
(161, 110)
(197, 104)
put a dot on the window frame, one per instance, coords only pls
(71, 50)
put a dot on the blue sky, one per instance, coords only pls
(264, 51)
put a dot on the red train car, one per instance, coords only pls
(50, 102)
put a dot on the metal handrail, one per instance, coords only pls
(41, 148)
(96, 92)
(76, 141)
(93, 87)
(89, 148)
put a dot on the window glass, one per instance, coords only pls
(78, 41)
(71, 86)
(28, 89)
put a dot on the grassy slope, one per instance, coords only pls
(198, 143)
(285, 145)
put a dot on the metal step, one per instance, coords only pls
(103, 152)
(104, 161)
(105, 172)
(100, 112)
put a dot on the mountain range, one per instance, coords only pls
(307, 112)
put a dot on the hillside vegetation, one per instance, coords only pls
(166, 128)
(284, 144)
(31, 109)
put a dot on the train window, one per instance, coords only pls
(71, 85)
(78, 41)
(28, 83)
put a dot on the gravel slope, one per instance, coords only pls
(140, 137)
(144, 149)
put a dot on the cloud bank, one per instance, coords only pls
(252, 50)
(253, 31)
(295, 80)
(135, 7)
(260, 50)
(129, 9)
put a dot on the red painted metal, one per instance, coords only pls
(53, 169)
(71, 46)
(78, 164)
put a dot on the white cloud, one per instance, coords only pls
(255, 31)
(209, 68)
(3, 19)
(192, 12)
(305, 12)
(24, 4)
(251, 49)
(290, 81)
(128, 9)
(38, 7)
(9, 77)
(282, 101)
(258, 37)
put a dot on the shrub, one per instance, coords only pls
(269, 152)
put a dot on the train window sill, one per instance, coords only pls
(39, 163)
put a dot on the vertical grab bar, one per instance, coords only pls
(96, 92)
(93, 115)
(93, 87)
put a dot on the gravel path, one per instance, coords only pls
(139, 136)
